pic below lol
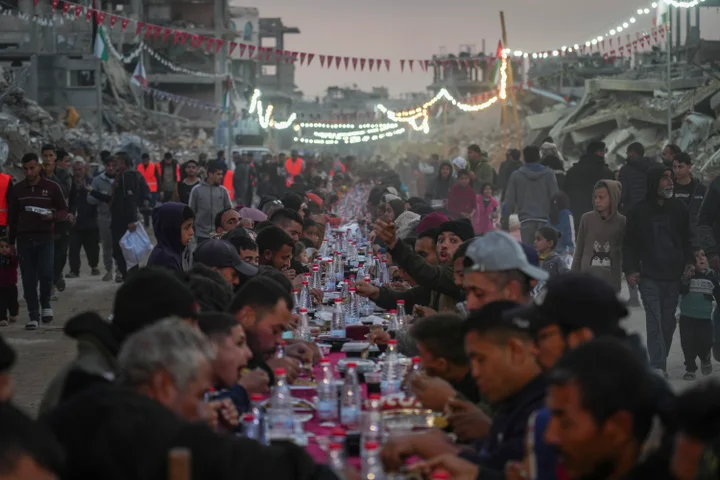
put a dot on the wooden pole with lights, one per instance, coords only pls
(510, 85)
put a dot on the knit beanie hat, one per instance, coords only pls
(461, 228)
(432, 220)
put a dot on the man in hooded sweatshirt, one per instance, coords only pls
(207, 200)
(582, 177)
(633, 176)
(598, 249)
(529, 193)
(511, 164)
(173, 227)
(656, 252)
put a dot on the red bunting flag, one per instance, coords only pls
(88, 14)
(278, 54)
(113, 20)
(242, 49)
(346, 62)
(55, 4)
(378, 63)
(183, 37)
(232, 47)
(362, 64)
(100, 17)
(635, 45)
(402, 65)
(371, 63)
(338, 60)
(78, 10)
(410, 64)
(330, 61)
(218, 45)
(157, 30)
(251, 51)
(294, 56)
(66, 8)
(166, 34)
(354, 63)
(302, 57)
(124, 22)
(387, 65)
(310, 57)
(288, 56)
(322, 61)
(138, 27)
(621, 49)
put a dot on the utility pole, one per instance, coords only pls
(98, 90)
(510, 84)
(668, 37)
(445, 140)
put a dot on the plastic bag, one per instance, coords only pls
(135, 246)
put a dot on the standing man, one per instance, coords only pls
(207, 200)
(222, 161)
(669, 153)
(150, 173)
(127, 193)
(84, 233)
(36, 204)
(242, 180)
(481, 171)
(168, 175)
(656, 253)
(511, 164)
(100, 194)
(690, 191)
(57, 164)
(6, 186)
(182, 193)
(581, 179)
(529, 193)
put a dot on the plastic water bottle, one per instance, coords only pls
(336, 459)
(390, 373)
(339, 268)
(353, 260)
(259, 417)
(280, 351)
(249, 426)
(337, 324)
(316, 281)
(344, 290)
(281, 419)
(415, 370)
(371, 467)
(383, 274)
(366, 305)
(296, 300)
(304, 327)
(361, 271)
(327, 393)
(352, 314)
(350, 399)
(305, 298)
(330, 276)
(401, 316)
(393, 322)
(373, 426)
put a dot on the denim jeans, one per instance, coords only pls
(660, 299)
(36, 258)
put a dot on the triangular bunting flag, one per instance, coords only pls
(310, 57)
(322, 61)
(251, 51)
(371, 64)
(294, 56)
(402, 65)
(88, 14)
(166, 34)
(378, 64)
(148, 31)
(387, 65)
(338, 60)
(139, 77)
(100, 17)
(302, 57)
(242, 49)
(78, 10)
(176, 36)
(218, 45)
(329, 61)
(66, 8)
(55, 4)
(210, 44)
(113, 20)
(233, 46)
(157, 31)
(138, 27)
(362, 64)
(346, 61)
(183, 37)
(354, 63)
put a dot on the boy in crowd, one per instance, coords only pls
(698, 289)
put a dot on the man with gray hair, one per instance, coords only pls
(84, 232)
(165, 371)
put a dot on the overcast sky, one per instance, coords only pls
(403, 29)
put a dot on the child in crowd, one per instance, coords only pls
(486, 211)
(698, 290)
(546, 240)
(462, 198)
(8, 284)
(561, 219)
(598, 248)
(299, 253)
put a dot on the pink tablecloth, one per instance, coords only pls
(313, 425)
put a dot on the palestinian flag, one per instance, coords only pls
(101, 48)
(498, 65)
(139, 77)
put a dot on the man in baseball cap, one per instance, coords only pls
(223, 257)
(497, 268)
(573, 308)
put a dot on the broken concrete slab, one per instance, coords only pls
(546, 119)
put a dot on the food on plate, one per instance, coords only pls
(299, 404)
(304, 382)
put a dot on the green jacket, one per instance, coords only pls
(484, 173)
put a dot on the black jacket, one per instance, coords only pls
(242, 183)
(708, 221)
(127, 197)
(580, 181)
(505, 442)
(506, 169)
(657, 237)
(691, 195)
(114, 433)
(86, 214)
(633, 178)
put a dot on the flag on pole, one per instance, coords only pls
(101, 48)
(662, 14)
(498, 64)
(139, 77)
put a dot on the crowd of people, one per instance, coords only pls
(510, 277)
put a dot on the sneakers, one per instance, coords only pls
(689, 376)
(108, 276)
(118, 278)
(31, 325)
(60, 285)
(47, 315)
(95, 272)
(71, 275)
(706, 366)
(4, 323)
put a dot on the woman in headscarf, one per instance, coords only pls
(442, 184)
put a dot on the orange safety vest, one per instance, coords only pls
(228, 183)
(293, 169)
(5, 180)
(149, 175)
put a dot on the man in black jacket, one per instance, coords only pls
(512, 162)
(84, 233)
(656, 252)
(688, 190)
(127, 196)
(581, 179)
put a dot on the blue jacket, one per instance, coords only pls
(566, 227)
(169, 251)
